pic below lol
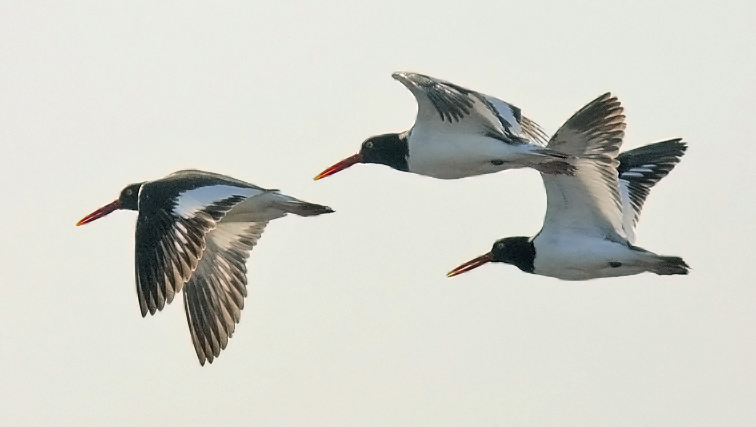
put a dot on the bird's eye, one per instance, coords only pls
(129, 192)
(500, 245)
(369, 144)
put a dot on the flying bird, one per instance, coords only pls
(194, 232)
(459, 133)
(589, 229)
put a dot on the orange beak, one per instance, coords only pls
(349, 161)
(99, 213)
(469, 265)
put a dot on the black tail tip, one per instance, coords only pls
(311, 209)
(672, 265)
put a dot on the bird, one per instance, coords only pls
(194, 232)
(589, 228)
(459, 133)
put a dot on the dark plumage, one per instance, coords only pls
(194, 233)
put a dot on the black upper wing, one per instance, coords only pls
(639, 170)
(175, 214)
(441, 102)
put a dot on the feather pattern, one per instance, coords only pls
(175, 214)
(589, 201)
(169, 248)
(194, 232)
(214, 296)
(441, 103)
(639, 170)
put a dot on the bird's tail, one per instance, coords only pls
(298, 207)
(668, 265)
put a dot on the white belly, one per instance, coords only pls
(576, 257)
(455, 156)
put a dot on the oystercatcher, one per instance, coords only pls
(589, 229)
(194, 232)
(459, 133)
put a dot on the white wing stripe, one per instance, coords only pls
(632, 175)
(189, 202)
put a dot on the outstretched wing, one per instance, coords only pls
(174, 219)
(441, 104)
(639, 170)
(588, 202)
(214, 296)
(594, 130)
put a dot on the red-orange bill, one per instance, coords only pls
(99, 213)
(469, 265)
(349, 161)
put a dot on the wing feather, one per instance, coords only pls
(639, 170)
(194, 233)
(589, 201)
(214, 296)
(169, 246)
(441, 104)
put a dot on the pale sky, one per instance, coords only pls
(350, 319)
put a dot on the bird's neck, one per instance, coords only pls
(522, 254)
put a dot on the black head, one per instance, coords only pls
(389, 149)
(518, 251)
(129, 197)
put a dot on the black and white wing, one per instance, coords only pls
(175, 215)
(214, 296)
(441, 104)
(639, 170)
(588, 202)
(587, 132)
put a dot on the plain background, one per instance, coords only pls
(350, 319)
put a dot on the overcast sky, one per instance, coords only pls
(350, 319)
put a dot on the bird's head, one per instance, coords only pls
(128, 199)
(388, 149)
(518, 251)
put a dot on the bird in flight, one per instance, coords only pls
(194, 232)
(459, 133)
(589, 228)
